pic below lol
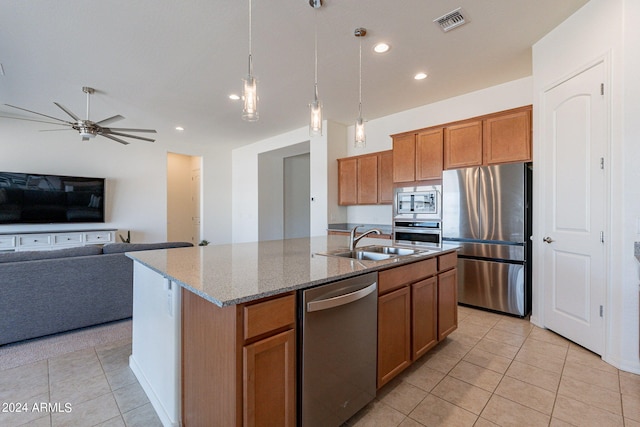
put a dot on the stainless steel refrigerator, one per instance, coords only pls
(487, 211)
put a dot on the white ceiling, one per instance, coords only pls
(164, 63)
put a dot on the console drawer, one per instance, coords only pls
(34, 240)
(98, 237)
(67, 239)
(7, 242)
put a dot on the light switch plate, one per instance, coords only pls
(636, 250)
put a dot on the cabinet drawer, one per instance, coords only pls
(7, 242)
(98, 237)
(447, 261)
(34, 240)
(403, 275)
(269, 315)
(67, 239)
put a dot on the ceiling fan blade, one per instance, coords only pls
(115, 139)
(39, 121)
(128, 136)
(53, 130)
(131, 130)
(109, 120)
(40, 114)
(66, 110)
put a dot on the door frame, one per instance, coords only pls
(539, 225)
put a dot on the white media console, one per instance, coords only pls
(49, 240)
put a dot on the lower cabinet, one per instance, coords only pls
(238, 362)
(417, 308)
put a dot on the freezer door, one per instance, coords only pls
(501, 202)
(460, 204)
(493, 285)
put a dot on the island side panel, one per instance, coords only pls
(211, 354)
(155, 358)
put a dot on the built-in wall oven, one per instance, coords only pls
(417, 215)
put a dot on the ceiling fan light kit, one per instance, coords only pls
(87, 128)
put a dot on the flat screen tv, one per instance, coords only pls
(29, 198)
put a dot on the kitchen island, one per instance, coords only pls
(212, 325)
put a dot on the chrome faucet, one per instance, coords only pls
(353, 240)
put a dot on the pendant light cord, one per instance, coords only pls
(360, 81)
(316, 56)
(250, 25)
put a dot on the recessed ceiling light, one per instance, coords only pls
(420, 76)
(381, 48)
(180, 128)
(234, 97)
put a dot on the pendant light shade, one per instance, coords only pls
(250, 87)
(360, 140)
(315, 107)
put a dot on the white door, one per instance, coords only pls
(575, 144)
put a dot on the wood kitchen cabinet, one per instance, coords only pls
(385, 177)
(507, 137)
(417, 308)
(366, 179)
(503, 137)
(417, 156)
(463, 145)
(238, 362)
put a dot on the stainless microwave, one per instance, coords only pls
(418, 202)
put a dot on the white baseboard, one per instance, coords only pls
(153, 398)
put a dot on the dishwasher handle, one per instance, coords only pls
(325, 304)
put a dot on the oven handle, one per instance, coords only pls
(325, 304)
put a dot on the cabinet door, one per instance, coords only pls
(424, 318)
(429, 154)
(394, 334)
(463, 145)
(507, 138)
(367, 182)
(447, 303)
(404, 158)
(385, 177)
(269, 378)
(348, 181)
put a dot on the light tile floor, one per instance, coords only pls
(90, 387)
(493, 370)
(497, 370)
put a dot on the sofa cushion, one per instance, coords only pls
(58, 253)
(114, 248)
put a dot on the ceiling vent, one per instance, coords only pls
(451, 20)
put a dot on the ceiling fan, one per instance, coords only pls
(87, 128)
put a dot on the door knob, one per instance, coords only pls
(547, 239)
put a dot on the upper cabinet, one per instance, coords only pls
(417, 156)
(502, 137)
(463, 145)
(507, 137)
(366, 179)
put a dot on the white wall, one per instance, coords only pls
(136, 176)
(602, 28)
(245, 181)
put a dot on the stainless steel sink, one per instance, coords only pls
(374, 252)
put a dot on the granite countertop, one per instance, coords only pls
(347, 226)
(235, 273)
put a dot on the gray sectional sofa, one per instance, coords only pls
(47, 292)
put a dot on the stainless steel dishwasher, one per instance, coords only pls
(337, 361)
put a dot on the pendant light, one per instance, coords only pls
(315, 107)
(360, 138)
(250, 87)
